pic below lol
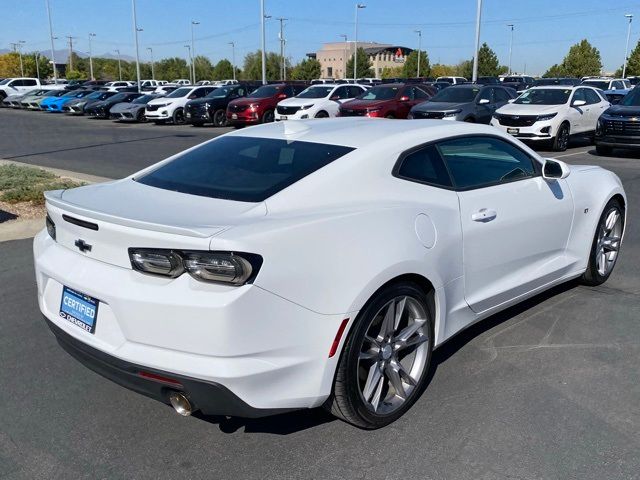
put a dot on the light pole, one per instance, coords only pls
(355, 53)
(475, 55)
(70, 38)
(51, 37)
(190, 58)
(193, 52)
(135, 34)
(282, 41)
(119, 66)
(419, 32)
(17, 47)
(153, 74)
(510, 46)
(37, 65)
(344, 63)
(262, 43)
(626, 49)
(90, 57)
(233, 58)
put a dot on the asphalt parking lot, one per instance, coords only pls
(549, 389)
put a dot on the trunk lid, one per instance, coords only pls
(113, 217)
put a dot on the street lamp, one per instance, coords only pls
(262, 43)
(355, 53)
(20, 43)
(51, 37)
(35, 54)
(119, 66)
(190, 58)
(344, 63)
(475, 55)
(233, 58)
(153, 75)
(135, 34)
(90, 58)
(626, 50)
(193, 52)
(510, 46)
(419, 32)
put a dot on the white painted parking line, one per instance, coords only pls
(573, 153)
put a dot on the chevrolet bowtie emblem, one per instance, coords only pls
(82, 245)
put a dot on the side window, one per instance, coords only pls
(16, 83)
(29, 83)
(408, 92)
(425, 166)
(618, 85)
(485, 94)
(579, 95)
(420, 94)
(341, 93)
(240, 92)
(501, 95)
(476, 162)
(355, 91)
(591, 96)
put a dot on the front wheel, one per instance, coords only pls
(220, 118)
(384, 365)
(322, 114)
(561, 141)
(178, 117)
(606, 244)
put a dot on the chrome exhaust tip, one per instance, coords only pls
(180, 404)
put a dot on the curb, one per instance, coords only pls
(79, 177)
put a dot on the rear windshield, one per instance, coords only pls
(244, 169)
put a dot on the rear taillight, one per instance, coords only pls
(229, 268)
(51, 227)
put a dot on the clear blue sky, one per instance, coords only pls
(544, 31)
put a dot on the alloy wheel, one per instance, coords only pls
(393, 355)
(608, 243)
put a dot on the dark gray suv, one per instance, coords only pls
(467, 103)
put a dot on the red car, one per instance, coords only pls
(258, 106)
(392, 100)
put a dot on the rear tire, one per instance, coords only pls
(140, 117)
(603, 150)
(376, 379)
(606, 244)
(561, 140)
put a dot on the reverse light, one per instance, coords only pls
(230, 268)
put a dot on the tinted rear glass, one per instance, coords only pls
(244, 169)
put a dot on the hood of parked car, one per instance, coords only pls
(523, 109)
(623, 111)
(364, 104)
(249, 101)
(127, 107)
(300, 102)
(439, 106)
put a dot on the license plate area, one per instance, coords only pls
(513, 131)
(234, 116)
(79, 309)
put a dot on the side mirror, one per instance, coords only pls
(554, 169)
(335, 98)
(483, 101)
(511, 100)
(404, 99)
(579, 103)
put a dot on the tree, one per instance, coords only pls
(440, 70)
(488, 64)
(465, 69)
(9, 65)
(204, 68)
(363, 69)
(223, 70)
(167, 69)
(393, 72)
(633, 63)
(582, 60)
(307, 69)
(74, 75)
(253, 66)
(410, 67)
(555, 71)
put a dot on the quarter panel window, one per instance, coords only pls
(425, 166)
(591, 96)
(476, 162)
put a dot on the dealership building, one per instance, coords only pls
(333, 57)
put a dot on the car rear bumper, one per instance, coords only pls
(268, 351)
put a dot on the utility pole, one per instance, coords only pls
(37, 66)
(475, 55)
(344, 63)
(355, 53)
(91, 57)
(282, 40)
(135, 34)
(153, 73)
(626, 49)
(233, 58)
(193, 52)
(262, 43)
(17, 49)
(419, 32)
(119, 66)
(70, 38)
(510, 46)
(51, 37)
(190, 58)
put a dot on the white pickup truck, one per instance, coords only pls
(11, 86)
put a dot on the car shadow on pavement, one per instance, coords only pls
(299, 420)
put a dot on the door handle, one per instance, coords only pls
(484, 215)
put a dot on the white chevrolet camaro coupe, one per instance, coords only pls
(314, 263)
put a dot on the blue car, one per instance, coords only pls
(55, 104)
(614, 96)
(49, 97)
